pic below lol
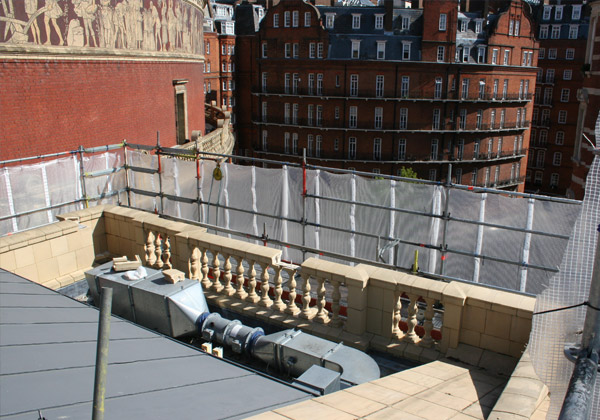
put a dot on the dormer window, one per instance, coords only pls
(381, 50)
(329, 20)
(576, 14)
(405, 23)
(547, 12)
(355, 49)
(478, 26)
(463, 25)
(558, 12)
(406, 50)
(355, 21)
(378, 21)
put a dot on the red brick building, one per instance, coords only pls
(562, 29)
(381, 88)
(94, 73)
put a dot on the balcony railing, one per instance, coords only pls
(502, 183)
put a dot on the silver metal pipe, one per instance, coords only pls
(102, 353)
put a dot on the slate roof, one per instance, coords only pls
(47, 357)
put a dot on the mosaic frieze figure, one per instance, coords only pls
(142, 25)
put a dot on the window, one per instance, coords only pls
(543, 31)
(432, 174)
(224, 67)
(208, 88)
(311, 83)
(562, 117)
(548, 96)
(276, 20)
(497, 175)
(403, 122)
(295, 143)
(307, 19)
(542, 53)
(286, 86)
(319, 115)
(352, 148)
(329, 19)
(319, 145)
(336, 144)
(352, 117)
(478, 26)
(538, 177)
(309, 144)
(380, 50)
(547, 12)
(460, 148)
(558, 12)
(545, 117)
(490, 147)
(442, 22)
(295, 18)
(495, 56)
(499, 149)
(567, 74)
(378, 21)
(552, 54)
(541, 156)
(555, 33)
(355, 49)
(378, 118)
(463, 25)
(337, 113)
(554, 180)
(476, 147)
(557, 159)
(264, 50)
(517, 27)
(286, 113)
(462, 119)
(437, 92)
(576, 12)
(466, 54)
(354, 85)
(479, 119)
(481, 55)
(379, 84)
(320, 84)
(377, 149)
(505, 89)
(474, 177)
(296, 47)
(570, 54)
(355, 21)
(286, 19)
(434, 149)
(560, 138)
(506, 57)
(458, 173)
(550, 76)
(401, 149)
(465, 89)
(288, 49)
(511, 27)
(286, 143)
(492, 118)
(223, 49)
(564, 95)
(309, 114)
(320, 50)
(521, 86)
(573, 31)
(495, 91)
(264, 140)
(406, 50)
(405, 86)
(527, 58)
(207, 47)
(441, 53)
(502, 118)
(435, 125)
(295, 114)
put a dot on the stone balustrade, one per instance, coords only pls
(364, 306)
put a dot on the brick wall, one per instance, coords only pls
(56, 105)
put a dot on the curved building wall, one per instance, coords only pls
(93, 72)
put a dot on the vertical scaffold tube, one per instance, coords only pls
(102, 353)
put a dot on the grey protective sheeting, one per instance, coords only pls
(47, 357)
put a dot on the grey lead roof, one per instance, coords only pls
(47, 357)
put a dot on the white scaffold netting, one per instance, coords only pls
(551, 331)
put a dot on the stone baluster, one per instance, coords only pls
(322, 316)
(397, 317)
(252, 296)
(336, 321)
(278, 303)
(216, 272)
(292, 308)
(265, 300)
(228, 289)
(306, 310)
(427, 340)
(240, 293)
(158, 251)
(411, 320)
(149, 249)
(194, 265)
(205, 280)
(166, 256)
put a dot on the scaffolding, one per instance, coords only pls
(503, 239)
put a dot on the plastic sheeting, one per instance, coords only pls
(552, 331)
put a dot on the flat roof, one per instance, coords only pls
(47, 363)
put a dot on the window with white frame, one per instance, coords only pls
(437, 91)
(286, 113)
(441, 53)
(295, 143)
(312, 49)
(295, 18)
(495, 89)
(476, 147)
(276, 20)
(320, 84)
(295, 81)
(287, 49)
(554, 180)
(435, 124)
(433, 155)
(309, 114)
(405, 23)
(573, 31)
(378, 118)
(570, 54)
(539, 176)
(376, 149)
(319, 115)
(381, 50)
(481, 54)
(558, 12)
(555, 33)
(545, 117)
(465, 88)
(354, 85)
(401, 149)
(460, 149)
(442, 22)
(499, 148)
(320, 50)
(306, 19)
(564, 95)
(378, 21)
(541, 156)
(355, 53)
(497, 175)
(517, 27)
(466, 53)
(464, 23)
(264, 50)
(548, 96)
(432, 174)
(462, 119)
(505, 89)
(319, 145)
(502, 118)
(550, 76)
(474, 177)
(352, 117)
(286, 19)
(310, 139)
(541, 53)
(495, 56)
(208, 88)
(295, 50)
(329, 20)
(492, 118)
(403, 121)
(478, 25)
(547, 12)
(406, 50)
(543, 31)
(490, 148)
(355, 21)
(479, 120)
(567, 74)
(352, 148)
(224, 85)
(576, 12)
(264, 140)
(552, 54)
(458, 175)
(560, 138)
(405, 86)
(557, 159)
(511, 27)
(562, 117)
(506, 57)
(379, 85)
